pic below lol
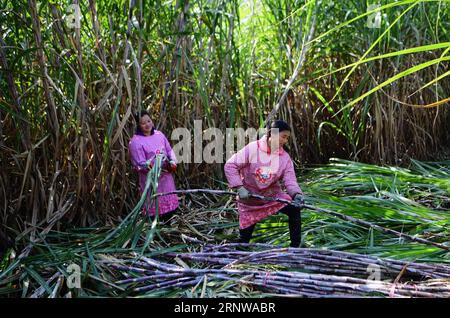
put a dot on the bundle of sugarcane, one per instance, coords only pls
(315, 260)
(330, 273)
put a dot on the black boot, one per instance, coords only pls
(245, 235)
(294, 224)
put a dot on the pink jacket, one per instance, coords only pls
(261, 172)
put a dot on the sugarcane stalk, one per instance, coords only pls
(169, 284)
(129, 268)
(148, 278)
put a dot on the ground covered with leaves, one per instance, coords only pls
(194, 254)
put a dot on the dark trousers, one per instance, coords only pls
(163, 218)
(294, 226)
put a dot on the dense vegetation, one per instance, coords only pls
(350, 88)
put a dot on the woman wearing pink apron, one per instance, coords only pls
(264, 167)
(145, 145)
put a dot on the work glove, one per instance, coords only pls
(172, 166)
(149, 164)
(299, 200)
(243, 193)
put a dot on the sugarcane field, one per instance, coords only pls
(224, 149)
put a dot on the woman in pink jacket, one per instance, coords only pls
(143, 148)
(263, 167)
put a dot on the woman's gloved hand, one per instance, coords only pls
(149, 164)
(172, 167)
(243, 193)
(299, 200)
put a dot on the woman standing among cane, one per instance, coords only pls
(145, 145)
(263, 167)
